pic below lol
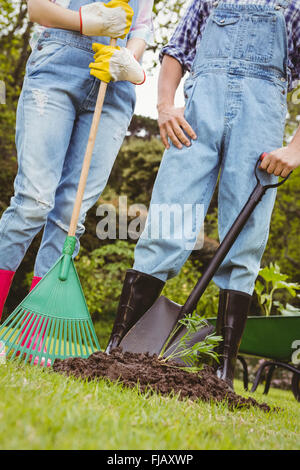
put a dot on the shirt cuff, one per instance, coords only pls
(177, 54)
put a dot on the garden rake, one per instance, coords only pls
(53, 321)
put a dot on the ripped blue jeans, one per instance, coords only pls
(54, 116)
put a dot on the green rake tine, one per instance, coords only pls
(53, 314)
(75, 339)
(33, 339)
(97, 345)
(84, 338)
(39, 354)
(5, 323)
(31, 322)
(94, 344)
(49, 340)
(74, 350)
(13, 332)
(22, 314)
(17, 320)
(85, 342)
(67, 351)
(51, 349)
(79, 338)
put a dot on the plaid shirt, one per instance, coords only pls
(188, 33)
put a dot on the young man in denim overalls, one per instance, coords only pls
(244, 56)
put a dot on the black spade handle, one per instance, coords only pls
(228, 241)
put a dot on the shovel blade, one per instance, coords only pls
(151, 332)
(59, 299)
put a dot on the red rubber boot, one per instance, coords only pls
(35, 281)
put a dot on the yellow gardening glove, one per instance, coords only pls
(116, 63)
(111, 19)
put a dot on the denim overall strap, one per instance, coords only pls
(249, 39)
(76, 39)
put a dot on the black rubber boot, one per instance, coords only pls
(234, 307)
(139, 293)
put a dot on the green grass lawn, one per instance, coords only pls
(43, 410)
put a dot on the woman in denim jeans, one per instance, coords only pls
(243, 57)
(54, 116)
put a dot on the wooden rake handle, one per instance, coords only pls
(88, 155)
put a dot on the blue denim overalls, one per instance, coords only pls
(53, 121)
(236, 103)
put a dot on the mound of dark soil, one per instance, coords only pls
(152, 374)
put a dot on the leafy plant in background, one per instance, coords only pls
(179, 288)
(272, 281)
(193, 356)
(137, 163)
(102, 272)
(283, 244)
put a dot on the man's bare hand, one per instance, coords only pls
(282, 161)
(173, 125)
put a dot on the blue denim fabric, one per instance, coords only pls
(236, 103)
(54, 116)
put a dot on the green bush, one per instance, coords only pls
(270, 281)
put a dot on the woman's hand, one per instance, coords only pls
(171, 120)
(282, 161)
(173, 125)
